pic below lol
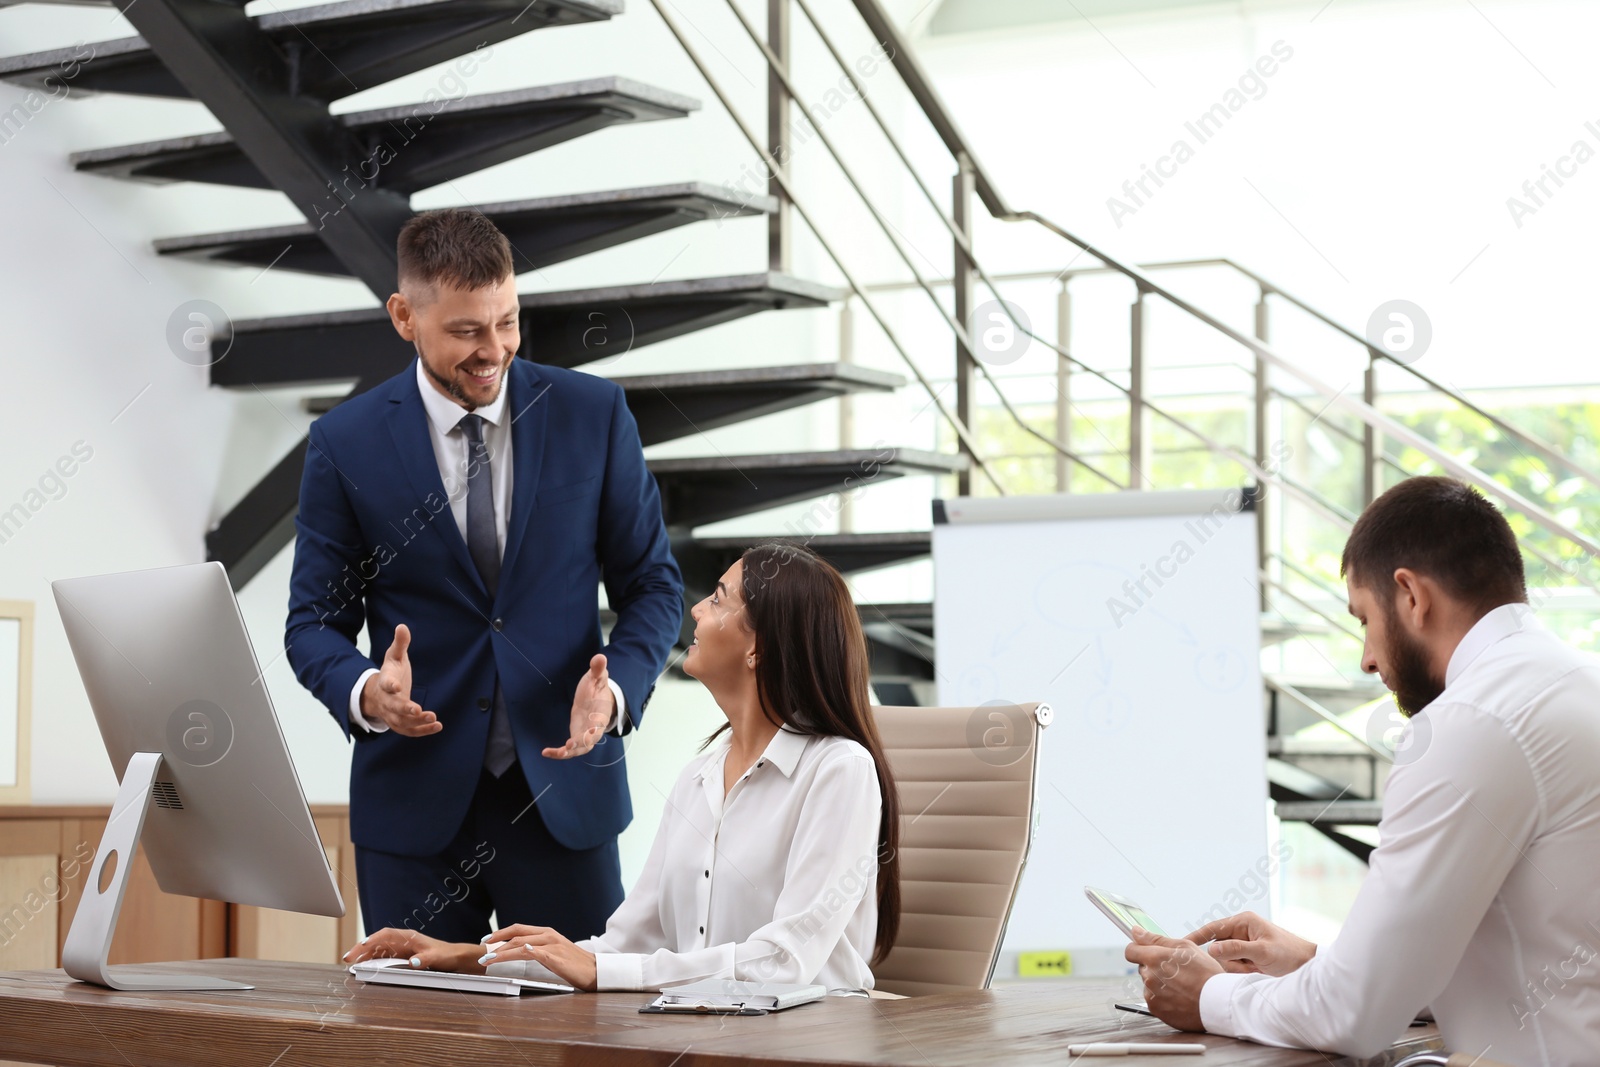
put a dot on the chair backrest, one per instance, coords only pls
(966, 782)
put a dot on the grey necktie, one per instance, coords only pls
(483, 543)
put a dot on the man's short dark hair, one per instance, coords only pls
(1443, 529)
(455, 247)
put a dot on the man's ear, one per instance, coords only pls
(1413, 597)
(402, 315)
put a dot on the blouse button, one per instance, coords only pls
(708, 874)
(702, 929)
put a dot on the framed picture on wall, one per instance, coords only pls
(16, 700)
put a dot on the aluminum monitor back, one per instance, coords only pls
(169, 669)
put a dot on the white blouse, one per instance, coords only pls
(777, 882)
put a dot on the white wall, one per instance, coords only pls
(1376, 163)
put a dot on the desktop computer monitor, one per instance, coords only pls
(208, 787)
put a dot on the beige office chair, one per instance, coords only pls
(966, 781)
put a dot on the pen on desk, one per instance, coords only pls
(1134, 1048)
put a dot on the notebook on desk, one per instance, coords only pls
(729, 997)
(400, 972)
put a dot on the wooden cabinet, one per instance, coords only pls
(265, 934)
(33, 889)
(45, 856)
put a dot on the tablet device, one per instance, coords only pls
(400, 972)
(1122, 911)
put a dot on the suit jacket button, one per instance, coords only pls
(483, 703)
(498, 624)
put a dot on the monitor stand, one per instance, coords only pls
(89, 940)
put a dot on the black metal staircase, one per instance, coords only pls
(566, 329)
(542, 231)
(417, 146)
(269, 80)
(326, 52)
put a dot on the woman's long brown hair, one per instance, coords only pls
(812, 676)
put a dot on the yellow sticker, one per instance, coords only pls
(1043, 964)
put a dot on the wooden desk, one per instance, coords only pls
(304, 1014)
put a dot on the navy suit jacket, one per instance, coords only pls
(377, 545)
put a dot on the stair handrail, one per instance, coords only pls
(1363, 411)
(963, 432)
(938, 115)
(1339, 627)
(779, 70)
(1330, 509)
(1376, 352)
(927, 98)
(1269, 288)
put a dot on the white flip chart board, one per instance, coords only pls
(1137, 617)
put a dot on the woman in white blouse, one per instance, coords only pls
(776, 856)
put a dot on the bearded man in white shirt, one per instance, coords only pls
(1483, 899)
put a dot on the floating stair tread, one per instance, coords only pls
(460, 137)
(916, 615)
(851, 374)
(698, 490)
(782, 284)
(800, 290)
(1331, 812)
(329, 346)
(542, 231)
(919, 541)
(1305, 748)
(1330, 683)
(938, 462)
(671, 406)
(355, 45)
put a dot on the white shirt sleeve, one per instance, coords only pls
(356, 718)
(635, 927)
(619, 718)
(1456, 819)
(832, 864)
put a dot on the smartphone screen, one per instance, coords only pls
(1126, 911)
(1137, 916)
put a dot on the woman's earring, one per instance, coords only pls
(751, 660)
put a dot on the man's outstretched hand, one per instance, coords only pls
(386, 696)
(1247, 944)
(592, 708)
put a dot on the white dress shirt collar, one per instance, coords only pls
(1498, 623)
(783, 752)
(446, 414)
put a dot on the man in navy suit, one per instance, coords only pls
(466, 511)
